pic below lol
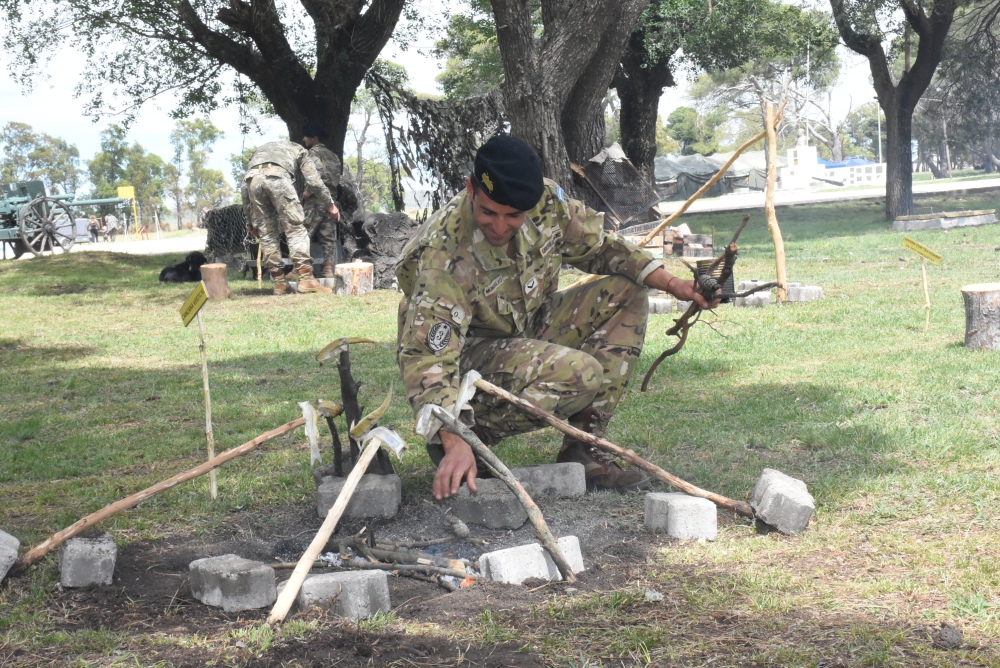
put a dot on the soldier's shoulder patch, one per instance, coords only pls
(560, 193)
(439, 337)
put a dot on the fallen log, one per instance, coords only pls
(135, 499)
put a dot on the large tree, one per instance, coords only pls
(119, 164)
(29, 155)
(305, 59)
(865, 29)
(556, 77)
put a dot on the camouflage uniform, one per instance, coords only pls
(328, 166)
(273, 205)
(466, 305)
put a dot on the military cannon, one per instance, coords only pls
(36, 223)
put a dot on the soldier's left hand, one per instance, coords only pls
(686, 291)
(333, 211)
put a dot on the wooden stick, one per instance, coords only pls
(260, 278)
(500, 470)
(738, 507)
(927, 295)
(209, 437)
(291, 590)
(769, 213)
(137, 498)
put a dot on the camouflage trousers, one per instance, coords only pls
(318, 219)
(273, 208)
(579, 351)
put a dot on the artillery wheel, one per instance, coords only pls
(46, 224)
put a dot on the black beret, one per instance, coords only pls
(509, 172)
(313, 129)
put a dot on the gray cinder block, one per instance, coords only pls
(560, 480)
(661, 305)
(804, 293)
(782, 501)
(494, 506)
(375, 496)
(757, 299)
(514, 565)
(232, 583)
(88, 561)
(352, 594)
(8, 552)
(681, 516)
(683, 306)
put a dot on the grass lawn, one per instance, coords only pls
(895, 430)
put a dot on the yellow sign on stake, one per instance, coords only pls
(194, 303)
(922, 250)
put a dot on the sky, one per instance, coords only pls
(51, 108)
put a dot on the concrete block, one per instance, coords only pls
(87, 561)
(757, 299)
(559, 480)
(804, 293)
(326, 282)
(683, 306)
(661, 305)
(8, 552)
(232, 583)
(681, 515)
(494, 506)
(352, 594)
(514, 565)
(782, 502)
(375, 496)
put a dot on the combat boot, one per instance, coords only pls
(601, 471)
(308, 282)
(280, 281)
(327, 270)
(292, 274)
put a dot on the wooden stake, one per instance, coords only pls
(927, 295)
(738, 507)
(500, 470)
(131, 501)
(209, 436)
(260, 279)
(294, 583)
(772, 218)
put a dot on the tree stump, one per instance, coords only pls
(354, 278)
(216, 279)
(982, 316)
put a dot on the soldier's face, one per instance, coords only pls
(498, 222)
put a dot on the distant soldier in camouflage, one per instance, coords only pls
(480, 282)
(273, 207)
(328, 166)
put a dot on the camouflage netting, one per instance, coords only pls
(436, 142)
(380, 238)
(227, 233)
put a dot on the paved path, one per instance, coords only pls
(152, 246)
(755, 200)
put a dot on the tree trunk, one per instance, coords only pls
(216, 279)
(640, 85)
(982, 316)
(945, 151)
(554, 87)
(899, 163)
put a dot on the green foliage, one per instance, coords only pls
(192, 141)
(239, 163)
(375, 185)
(469, 48)
(861, 128)
(118, 164)
(28, 155)
(694, 132)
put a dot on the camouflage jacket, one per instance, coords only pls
(295, 161)
(457, 285)
(327, 164)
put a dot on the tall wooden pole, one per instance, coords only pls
(927, 295)
(769, 213)
(209, 437)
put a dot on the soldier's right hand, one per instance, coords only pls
(458, 464)
(333, 211)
